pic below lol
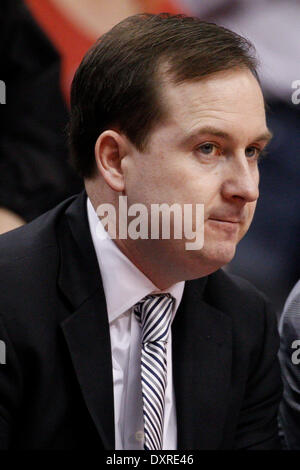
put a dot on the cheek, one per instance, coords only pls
(167, 182)
(250, 213)
(252, 209)
(140, 179)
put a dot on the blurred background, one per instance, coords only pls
(42, 43)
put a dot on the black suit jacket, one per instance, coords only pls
(56, 389)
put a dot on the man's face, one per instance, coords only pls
(206, 152)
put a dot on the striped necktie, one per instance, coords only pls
(154, 312)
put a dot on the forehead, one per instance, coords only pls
(231, 100)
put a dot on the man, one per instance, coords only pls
(132, 342)
(289, 356)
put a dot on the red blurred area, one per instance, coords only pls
(71, 40)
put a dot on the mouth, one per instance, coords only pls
(229, 224)
(226, 220)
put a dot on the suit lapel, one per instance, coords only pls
(86, 330)
(201, 344)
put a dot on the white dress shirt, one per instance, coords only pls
(124, 285)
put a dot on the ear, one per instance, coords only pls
(110, 148)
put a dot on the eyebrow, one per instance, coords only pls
(265, 136)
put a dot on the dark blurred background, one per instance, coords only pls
(42, 43)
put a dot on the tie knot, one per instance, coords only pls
(154, 312)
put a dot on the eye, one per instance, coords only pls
(252, 152)
(208, 149)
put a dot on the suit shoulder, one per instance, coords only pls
(249, 309)
(29, 258)
(30, 239)
(235, 289)
(252, 314)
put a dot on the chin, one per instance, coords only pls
(208, 260)
(220, 255)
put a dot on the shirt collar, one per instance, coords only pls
(123, 283)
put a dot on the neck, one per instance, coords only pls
(147, 263)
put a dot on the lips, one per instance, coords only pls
(232, 220)
(230, 225)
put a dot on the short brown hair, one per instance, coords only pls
(117, 82)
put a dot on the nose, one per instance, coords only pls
(241, 182)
